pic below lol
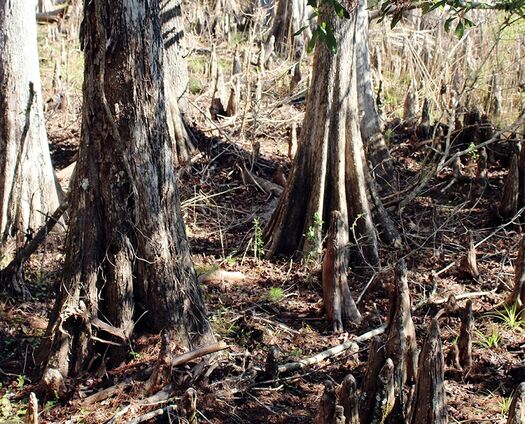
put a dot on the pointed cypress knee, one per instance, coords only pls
(517, 407)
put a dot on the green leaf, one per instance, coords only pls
(331, 42)
(460, 29)
(340, 10)
(447, 24)
(396, 18)
(300, 30)
(311, 44)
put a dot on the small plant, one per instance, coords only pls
(313, 236)
(389, 135)
(491, 340)
(21, 381)
(296, 352)
(504, 405)
(258, 243)
(275, 294)
(472, 151)
(135, 355)
(511, 316)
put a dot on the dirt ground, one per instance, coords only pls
(277, 303)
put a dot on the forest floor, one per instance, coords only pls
(276, 303)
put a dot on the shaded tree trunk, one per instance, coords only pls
(28, 190)
(175, 79)
(330, 170)
(127, 252)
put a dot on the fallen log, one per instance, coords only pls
(333, 351)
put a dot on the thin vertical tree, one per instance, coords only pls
(28, 190)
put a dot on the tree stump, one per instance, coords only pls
(338, 301)
(32, 410)
(465, 337)
(468, 264)
(384, 399)
(401, 338)
(376, 360)
(509, 200)
(517, 407)
(188, 406)
(429, 402)
(517, 297)
(326, 411)
(348, 398)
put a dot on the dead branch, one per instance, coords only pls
(8, 275)
(329, 353)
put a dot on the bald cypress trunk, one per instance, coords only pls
(28, 190)
(176, 79)
(127, 253)
(291, 16)
(330, 170)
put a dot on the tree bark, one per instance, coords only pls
(127, 251)
(517, 296)
(338, 302)
(465, 336)
(330, 170)
(291, 16)
(176, 80)
(371, 126)
(429, 402)
(28, 189)
(401, 339)
(348, 398)
(517, 407)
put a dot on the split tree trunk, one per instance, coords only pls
(175, 79)
(330, 170)
(28, 190)
(127, 252)
(291, 17)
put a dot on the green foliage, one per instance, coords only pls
(472, 151)
(258, 243)
(490, 341)
(510, 315)
(275, 294)
(504, 405)
(11, 412)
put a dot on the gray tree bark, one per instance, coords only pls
(330, 170)
(371, 125)
(176, 79)
(28, 190)
(127, 251)
(290, 17)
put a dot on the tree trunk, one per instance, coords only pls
(371, 126)
(291, 17)
(175, 79)
(338, 302)
(28, 190)
(127, 252)
(330, 170)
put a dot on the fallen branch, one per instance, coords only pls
(9, 273)
(51, 17)
(197, 353)
(440, 301)
(333, 351)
